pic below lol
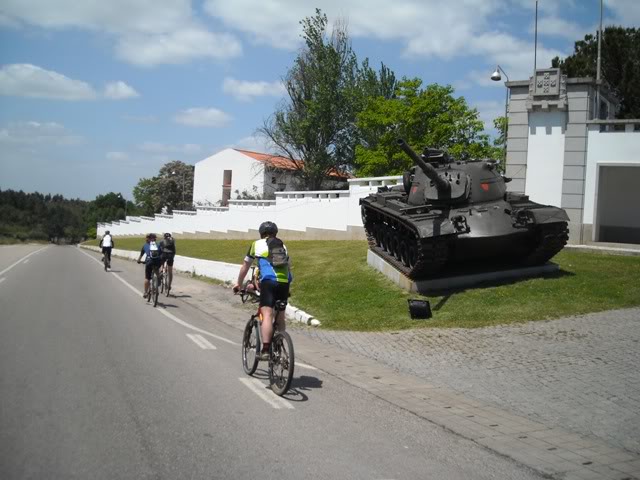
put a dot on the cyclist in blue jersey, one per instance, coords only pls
(275, 276)
(153, 259)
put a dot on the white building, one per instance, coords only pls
(232, 172)
(561, 152)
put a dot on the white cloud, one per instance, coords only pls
(119, 90)
(33, 133)
(25, 80)
(175, 47)
(117, 156)
(162, 148)
(557, 27)
(255, 143)
(245, 91)
(625, 12)
(147, 32)
(203, 117)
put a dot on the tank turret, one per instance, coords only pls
(441, 183)
(450, 211)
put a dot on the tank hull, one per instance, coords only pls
(423, 241)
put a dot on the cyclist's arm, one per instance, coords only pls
(141, 254)
(101, 242)
(244, 269)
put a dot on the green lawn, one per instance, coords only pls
(334, 283)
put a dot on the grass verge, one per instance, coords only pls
(334, 283)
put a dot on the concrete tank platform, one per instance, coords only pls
(457, 281)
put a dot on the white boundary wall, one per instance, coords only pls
(336, 210)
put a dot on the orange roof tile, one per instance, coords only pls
(284, 163)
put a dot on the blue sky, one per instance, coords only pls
(95, 95)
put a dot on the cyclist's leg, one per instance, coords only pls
(148, 270)
(282, 296)
(267, 301)
(170, 269)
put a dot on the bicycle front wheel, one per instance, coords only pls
(281, 363)
(250, 347)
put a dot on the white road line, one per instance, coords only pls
(304, 365)
(22, 259)
(164, 312)
(196, 329)
(202, 342)
(257, 387)
(26, 261)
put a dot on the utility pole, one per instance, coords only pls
(535, 44)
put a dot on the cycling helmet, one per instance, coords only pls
(268, 228)
(151, 236)
(167, 235)
(107, 232)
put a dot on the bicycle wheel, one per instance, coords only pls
(250, 347)
(281, 363)
(155, 289)
(106, 262)
(162, 283)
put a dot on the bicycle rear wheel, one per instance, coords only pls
(162, 282)
(281, 363)
(250, 347)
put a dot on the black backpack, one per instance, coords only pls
(277, 253)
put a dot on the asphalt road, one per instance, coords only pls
(96, 383)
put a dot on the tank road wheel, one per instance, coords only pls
(397, 246)
(412, 254)
(404, 253)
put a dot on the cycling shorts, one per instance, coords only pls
(271, 291)
(149, 265)
(168, 257)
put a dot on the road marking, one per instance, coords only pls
(202, 342)
(257, 387)
(196, 329)
(26, 261)
(304, 365)
(164, 312)
(22, 259)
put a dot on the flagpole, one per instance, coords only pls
(598, 78)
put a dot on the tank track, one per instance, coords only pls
(392, 239)
(550, 239)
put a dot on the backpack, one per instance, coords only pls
(277, 253)
(169, 244)
(154, 251)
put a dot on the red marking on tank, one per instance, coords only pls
(414, 189)
(484, 186)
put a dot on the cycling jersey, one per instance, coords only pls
(106, 241)
(259, 251)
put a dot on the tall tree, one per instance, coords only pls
(620, 65)
(429, 116)
(315, 127)
(171, 189)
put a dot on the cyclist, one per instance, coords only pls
(275, 277)
(107, 243)
(151, 261)
(168, 249)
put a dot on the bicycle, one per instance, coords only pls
(281, 354)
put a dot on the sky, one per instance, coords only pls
(95, 95)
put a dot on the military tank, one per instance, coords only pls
(449, 211)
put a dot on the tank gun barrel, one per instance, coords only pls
(440, 183)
